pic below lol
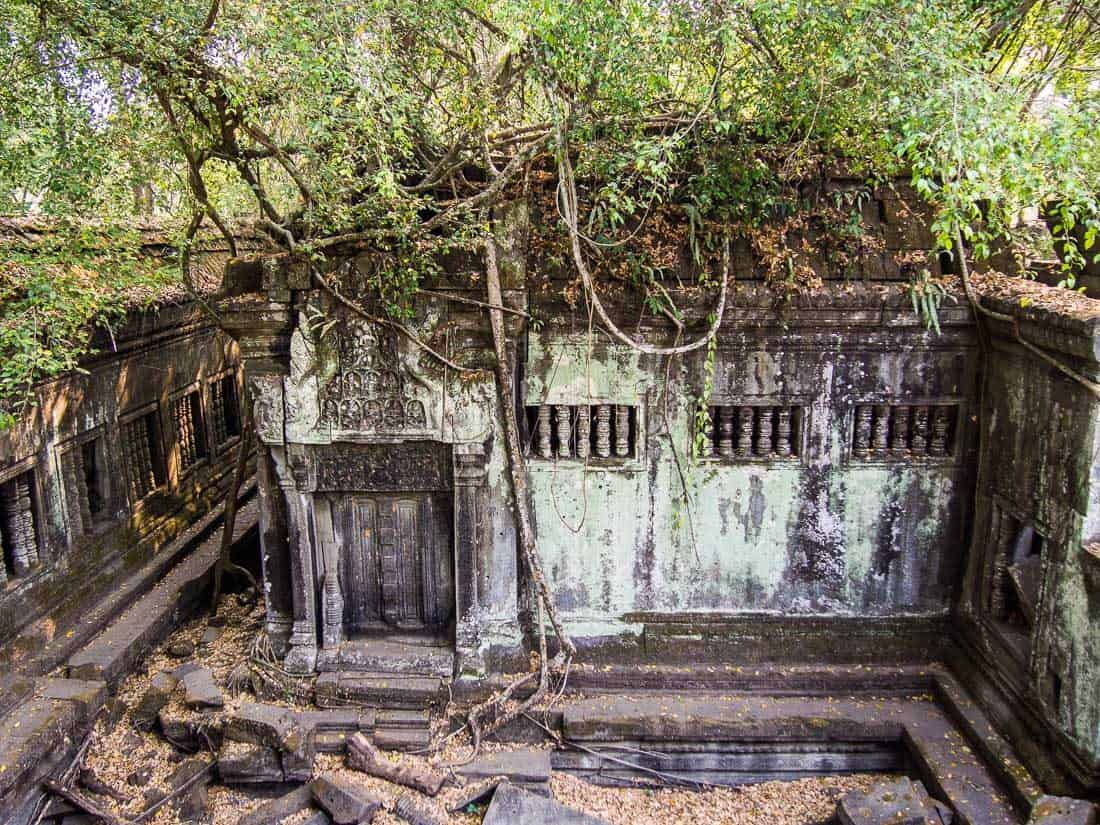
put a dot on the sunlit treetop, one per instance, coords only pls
(395, 125)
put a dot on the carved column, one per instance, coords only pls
(744, 431)
(1001, 532)
(274, 552)
(3, 566)
(332, 634)
(938, 443)
(899, 432)
(862, 440)
(561, 419)
(880, 428)
(76, 494)
(584, 431)
(603, 430)
(545, 450)
(471, 467)
(919, 440)
(783, 431)
(302, 655)
(622, 430)
(763, 446)
(18, 520)
(725, 431)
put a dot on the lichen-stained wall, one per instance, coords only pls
(1034, 657)
(820, 532)
(157, 360)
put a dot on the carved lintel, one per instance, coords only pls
(404, 466)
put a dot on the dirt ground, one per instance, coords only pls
(138, 764)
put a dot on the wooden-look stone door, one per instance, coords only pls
(396, 564)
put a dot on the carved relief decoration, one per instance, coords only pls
(369, 392)
(405, 466)
(267, 407)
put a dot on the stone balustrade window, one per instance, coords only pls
(84, 476)
(582, 431)
(905, 431)
(748, 431)
(143, 455)
(225, 409)
(190, 433)
(18, 526)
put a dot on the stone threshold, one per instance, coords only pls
(41, 732)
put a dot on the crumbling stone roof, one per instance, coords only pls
(157, 243)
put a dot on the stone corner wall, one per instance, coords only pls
(1029, 612)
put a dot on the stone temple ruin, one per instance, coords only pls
(885, 555)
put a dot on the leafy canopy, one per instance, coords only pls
(394, 125)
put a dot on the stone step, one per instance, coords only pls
(378, 690)
(391, 657)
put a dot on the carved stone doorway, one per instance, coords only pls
(396, 562)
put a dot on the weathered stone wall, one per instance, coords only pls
(1030, 606)
(104, 499)
(821, 531)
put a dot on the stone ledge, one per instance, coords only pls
(17, 685)
(118, 648)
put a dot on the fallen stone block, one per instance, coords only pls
(87, 695)
(28, 734)
(191, 803)
(417, 811)
(529, 768)
(284, 807)
(317, 817)
(346, 803)
(243, 763)
(181, 649)
(261, 724)
(898, 802)
(1062, 810)
(154, 699)
(512, 805)
(187, 732)
(299, 753)
(199, 690)
(210, 635)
